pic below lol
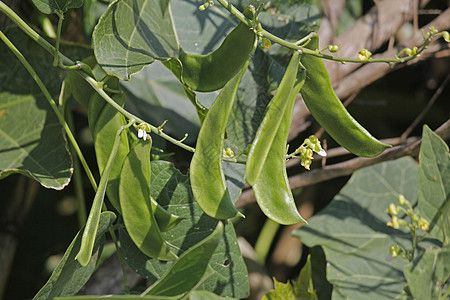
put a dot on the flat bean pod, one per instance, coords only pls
(137, 209)
(329, 111)
(206, 73)
(272, 119)
(272, 191)
(104, 121)
(206, 169)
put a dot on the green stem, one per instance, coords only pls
(58, 39)
(52, 103)
(235, 12)
(98, 88)
(77, 179)
(265, 239)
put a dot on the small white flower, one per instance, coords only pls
(141, 133)
(322, 153)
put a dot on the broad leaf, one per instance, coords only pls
(56, 6)
(428, 273)
(434, 183)
(189, 268)
(226, 274)
(69, 276)
(132, 34)
(31, 139)
(353, 233)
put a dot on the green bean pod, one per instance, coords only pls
(329, 111)
(137, 209)
(272, 119)
(206, 73)
(206, 170)
(272, 191)
(104, 121)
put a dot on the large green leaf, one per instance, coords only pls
(31, 139)
(434, 182)
(428, 273)
(132, 34)
(69, 276)
(56, 6)
(187, 270)
(226, 274)
(353, 233)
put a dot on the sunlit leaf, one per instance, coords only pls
(132, 34)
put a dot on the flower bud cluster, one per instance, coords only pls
(396, 222)
(143, 130)
(305, 151)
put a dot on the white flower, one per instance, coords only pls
(141, 133)
(322, 153)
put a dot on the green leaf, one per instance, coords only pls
(132, 34)
(69, 276)
(282, 291)
(353, 233)
(56, 6)
(303, 287)
(428, 273)
(227, 274)
(186, 271)
(206, 295)
(434, 183)
(32, 141)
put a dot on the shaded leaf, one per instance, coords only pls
(303, 287)
(56, 6)
(428, 272)
(226, 274)
(31, 139)
(69, 276)
(132, 34)
(434, 183)
(156, 95)
(189, 268)
(353, 233)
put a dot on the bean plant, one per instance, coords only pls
(235, 69)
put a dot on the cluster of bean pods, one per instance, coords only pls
(124, 161)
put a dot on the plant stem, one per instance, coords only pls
(235, 12)
(265, 239)
(58, 39)
(52, 103)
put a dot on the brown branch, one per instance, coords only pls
(371, 72)
(349, 166)
(370, 32)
